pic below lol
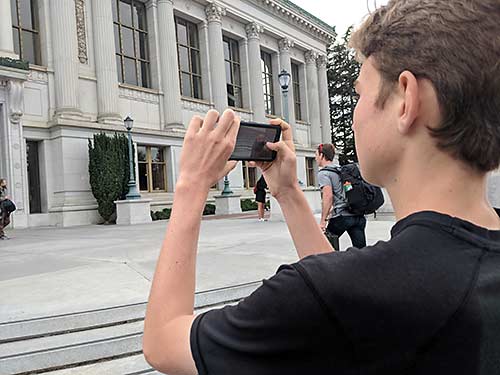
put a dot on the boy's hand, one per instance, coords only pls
(281, 174)
(207, 148)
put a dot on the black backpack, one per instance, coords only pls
(362, 197)
(8, 206)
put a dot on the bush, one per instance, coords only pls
(161, 215)
(108, 171)
(209, 209)
(248, 205)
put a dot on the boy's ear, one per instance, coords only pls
(409, 101)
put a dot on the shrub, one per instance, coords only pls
(209, 209)
(248, 205)
(161, 215)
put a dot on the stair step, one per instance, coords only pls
(133, 365)
(69, 349)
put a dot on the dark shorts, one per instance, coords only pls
(260, 196)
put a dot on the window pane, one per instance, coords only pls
(143, 176)
(183, 59)
(252, 176)
(198, 94)
(119, 68)
(15, 35)
(229, 78)
(158, 176)
(128, 42)
(193, 36)
(195, 62)
(139, 13)
(141, 43)
(236, 75)
(115, 10)
(237, 95)
(125, 13)
(227, 55)
(13, 12)
(235, 53)
(186, 85)
(29, 47)
(141, 153)
(117, 39)
(143, 74)
(181, 33)
(230, 96)
(156, 154)
(130, 71)
(26, 14)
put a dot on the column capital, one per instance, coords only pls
(285, 45)
(311, 57)
(215, 12)
(254, 30)
(15, 90)
(154, 3)
(322, 61)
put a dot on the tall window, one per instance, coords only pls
(131, 42)
(188, 52)
(33, 177)
(311, 176)
(267, 81)
(233, 72)
(25, 30)
(296, 92)
(249, 175)
(152, 168)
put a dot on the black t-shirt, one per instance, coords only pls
(425, 302)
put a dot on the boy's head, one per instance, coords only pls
(435, 63)
(325, 154)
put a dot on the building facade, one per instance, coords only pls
(94, 62)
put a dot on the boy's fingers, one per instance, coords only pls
(210, 120)
(194, 125)
(225, 122)
(230, 165)
(286, 129)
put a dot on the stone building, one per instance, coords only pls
(94, 62)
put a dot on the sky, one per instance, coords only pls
(339, 13)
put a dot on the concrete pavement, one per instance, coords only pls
(52, 271)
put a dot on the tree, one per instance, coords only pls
(108, 171)
(343, 70)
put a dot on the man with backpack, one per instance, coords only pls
(336, 218)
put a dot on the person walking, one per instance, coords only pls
(4, 214)
(336, 219)
(260, 197)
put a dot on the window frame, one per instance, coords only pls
(35, 31)
(234, 50)
(149, 168)
(247, 183)
(191, 48)
(310, 171)
(268, 82)
(137, 33)
(297, 102)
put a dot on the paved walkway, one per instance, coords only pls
(49, 271)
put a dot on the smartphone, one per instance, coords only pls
(251, 141)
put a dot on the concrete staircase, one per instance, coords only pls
(105, 341)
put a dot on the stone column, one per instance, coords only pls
(285, 63)
(313, 97)
(254, 61)
(105, 64)
(169, 66)
(6, 40)
(65, 57)
(214, 13)
(324, 100)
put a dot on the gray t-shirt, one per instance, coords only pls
(330, 178)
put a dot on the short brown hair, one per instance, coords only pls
(455, 44)
(327, 150)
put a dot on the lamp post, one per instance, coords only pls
(227, 190)
(133, 193)
(284, 79)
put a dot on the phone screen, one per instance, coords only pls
(251, 142)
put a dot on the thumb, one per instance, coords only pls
(278, 146)
(229, 167)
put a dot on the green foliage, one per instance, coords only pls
(161, 215)
(108, 171)
(248, 205)
(209, 209)
(343, 70)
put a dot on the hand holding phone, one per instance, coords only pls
(251, 142)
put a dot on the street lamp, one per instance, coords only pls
(133, 193)
(284, 79)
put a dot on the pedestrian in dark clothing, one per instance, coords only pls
(4, 214)
(260, 197)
